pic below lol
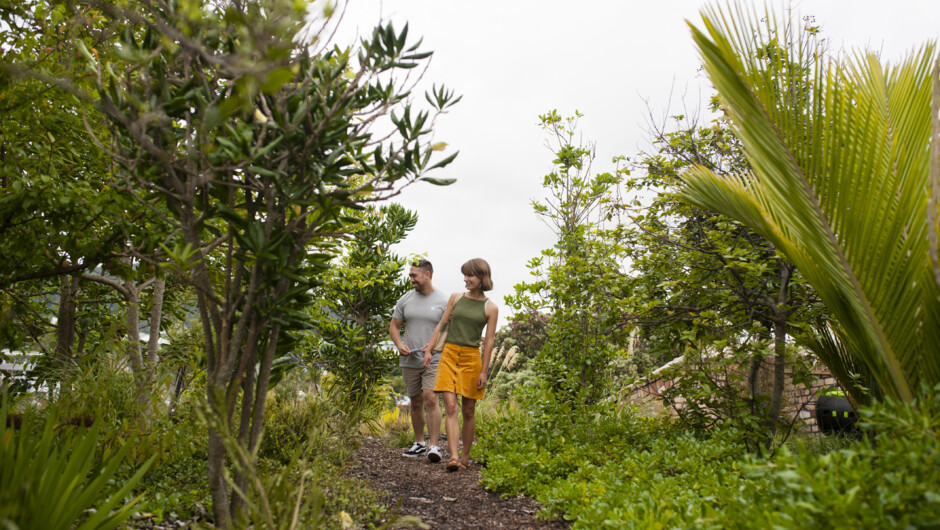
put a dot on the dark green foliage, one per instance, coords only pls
(713, 391)
(305, 446)
(256, 149)
(888, 479)
(506, 383)
(710, 289)
(176, 488)
(97, 390)
(288, 424)
(527, 331)
(356, 297)
(49, 477)
(59, 214)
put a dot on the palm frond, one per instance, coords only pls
(840, 159)
(856, 378)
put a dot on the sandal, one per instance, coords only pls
(464, 462)
(454, 465)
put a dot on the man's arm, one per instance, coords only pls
(394, 331)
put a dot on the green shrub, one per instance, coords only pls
(97, 388)
(397, 383)
(506, 382)
(817, 444)
(175, 488)
(329, 416)
(888, 479)
(288, 423)
(399, 437)
(298, 479)
(327, 498)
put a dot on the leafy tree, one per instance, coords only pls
(143, 361)
(710, 289)
(841, 173)
(58, 213)
(252, 148)
(580, 280)
(357, 296)
(527, 331)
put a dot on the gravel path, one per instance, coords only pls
(439, 498)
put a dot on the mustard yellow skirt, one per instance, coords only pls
(458, 371)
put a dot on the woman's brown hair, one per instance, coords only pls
(481, 269)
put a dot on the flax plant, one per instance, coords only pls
(51, 480)
(843, 182)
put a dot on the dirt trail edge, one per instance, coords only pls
(441, 499)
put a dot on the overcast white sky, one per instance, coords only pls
(613, 60)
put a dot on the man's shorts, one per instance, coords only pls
(418, 379)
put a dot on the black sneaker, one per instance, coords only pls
(416, 450)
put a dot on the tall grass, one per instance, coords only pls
(503, 361)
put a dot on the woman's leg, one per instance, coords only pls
(450, 409)
(469, 426)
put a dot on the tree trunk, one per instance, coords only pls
(218, 487)
(178, 386)
(147, 376)
(780, 349)
(143, 368)
(780, 365)
(244, 433)
(264, 378)
(753, 380)
(65, 319)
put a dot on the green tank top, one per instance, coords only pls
(467, 320)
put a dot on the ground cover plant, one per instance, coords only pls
(610, 467)
(613, 468)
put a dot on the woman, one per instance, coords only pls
(460, 369)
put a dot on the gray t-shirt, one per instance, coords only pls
(420, 315)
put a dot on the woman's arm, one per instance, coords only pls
(428, 354)
(492, 315)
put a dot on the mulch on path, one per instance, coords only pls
(439, 498)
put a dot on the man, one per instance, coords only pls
(420, 311)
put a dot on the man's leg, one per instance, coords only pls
(428, 378)
(434, 415)
(412, 377)
(417, 417)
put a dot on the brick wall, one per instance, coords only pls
(799, 402)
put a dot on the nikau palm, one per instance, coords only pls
(842, 183)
